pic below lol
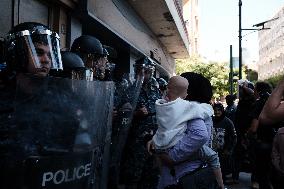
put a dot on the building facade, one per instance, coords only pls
(152, 28)
(191, 17)
(271, 47)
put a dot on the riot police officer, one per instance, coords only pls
(138, 167)
(74, 67)
(125, 100)
(110, 66)
(162, 85)
(71, 63)
(91, 51)
(31, 49)
(50, 138)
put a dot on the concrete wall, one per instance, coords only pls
(191, 17)
(26, 10)
(125, 22)
(178, 18)
(271, 48)
(6, 17)
(33, 11)
(76, 29)
(52, 15)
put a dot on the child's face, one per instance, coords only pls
(170, 88)
(177, 88)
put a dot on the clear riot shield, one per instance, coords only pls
(62, 127)
(125, 100)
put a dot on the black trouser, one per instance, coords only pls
(253, 159)
(263, 164)
(277, 179)
(241, 159)
(201, 179)
(237, 159)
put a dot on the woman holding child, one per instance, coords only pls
(178, 168)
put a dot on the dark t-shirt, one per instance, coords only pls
(242, 116)
(265, 133)
(225, 136)
(230, 112)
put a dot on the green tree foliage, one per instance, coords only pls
(216, 72)
(274, 80)
(186, 65)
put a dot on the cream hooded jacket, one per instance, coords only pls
(172, 119)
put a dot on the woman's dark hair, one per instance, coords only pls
(199, 87)
(262, 86)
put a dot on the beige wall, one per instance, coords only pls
(179, 22)
(271, 48)
(130, 28)
(191, 17)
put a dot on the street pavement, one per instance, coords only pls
(244, 182)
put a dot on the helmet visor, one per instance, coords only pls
(43, 49)
(85, 74)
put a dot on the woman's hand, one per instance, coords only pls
(166, 160)
(164, 157)
(141, 112)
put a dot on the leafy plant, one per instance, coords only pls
(216, 72)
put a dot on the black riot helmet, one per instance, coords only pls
(145, 63)
(74, 67)
(31, 47)
(87, 46)
(147, 66)
(91, 51)
(72, 61)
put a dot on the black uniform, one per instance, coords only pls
(138, 165)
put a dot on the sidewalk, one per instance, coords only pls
(244, 182)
